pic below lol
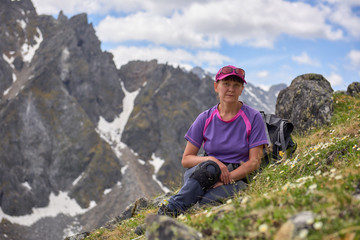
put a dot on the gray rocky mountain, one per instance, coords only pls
(56, 86)
(49, 110)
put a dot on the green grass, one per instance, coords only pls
(321, 177)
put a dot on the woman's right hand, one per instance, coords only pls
(225, 174)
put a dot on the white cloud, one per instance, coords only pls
(152, 28)
(341, 14)
(262, 74)
(354, 57)
(305, 59)
(176, 57)
(335, 79)
(201, 24)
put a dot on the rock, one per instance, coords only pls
(296, 227)
(140, 230)
(307, 102)
(129, 212)
(286, 232)
(164, 227)
(353, 89)
(79, 236)
(158, 200)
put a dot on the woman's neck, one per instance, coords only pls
(228, 111)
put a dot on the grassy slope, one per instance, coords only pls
(321, 177)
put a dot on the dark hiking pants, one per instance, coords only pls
(192, 192)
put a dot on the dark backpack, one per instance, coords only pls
(278, 131)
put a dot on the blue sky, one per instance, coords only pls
(273, 40)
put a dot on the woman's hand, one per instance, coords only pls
(225, 174)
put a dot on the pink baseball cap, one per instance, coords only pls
(228, 71)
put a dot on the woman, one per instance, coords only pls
(233, 136)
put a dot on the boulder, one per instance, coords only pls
(164, 227)
(297, 227)
(307, 102)
(354, 89)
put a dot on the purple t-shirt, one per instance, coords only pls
(228, 141)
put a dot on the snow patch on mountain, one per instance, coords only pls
(58, 204)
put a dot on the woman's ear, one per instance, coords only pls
(215, 86)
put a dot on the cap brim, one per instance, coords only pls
(230, 74)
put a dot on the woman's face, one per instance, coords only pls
(229, 90)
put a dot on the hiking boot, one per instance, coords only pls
(167, 210)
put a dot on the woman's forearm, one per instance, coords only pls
(244, 170)
(189, 161)
(255, 155)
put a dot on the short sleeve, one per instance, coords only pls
(195, 132)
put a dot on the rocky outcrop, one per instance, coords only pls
(307, 102)
(61, 82)
(163, 227)
(87, 73)
(354, 89)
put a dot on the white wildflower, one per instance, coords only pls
(318, 173)
(286, 186)
(304, 179)
(311, 159)
(263, 228)
(209, 214)
(338, 177)
(310, 221)
(318, 225)
(229, 201)
(303, 233)
(312, 187)
(245, 200)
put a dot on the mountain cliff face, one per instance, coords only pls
(57, 87)
(49, 111)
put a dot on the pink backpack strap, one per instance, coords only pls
(247, 124)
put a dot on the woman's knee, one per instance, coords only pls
(207, 174)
